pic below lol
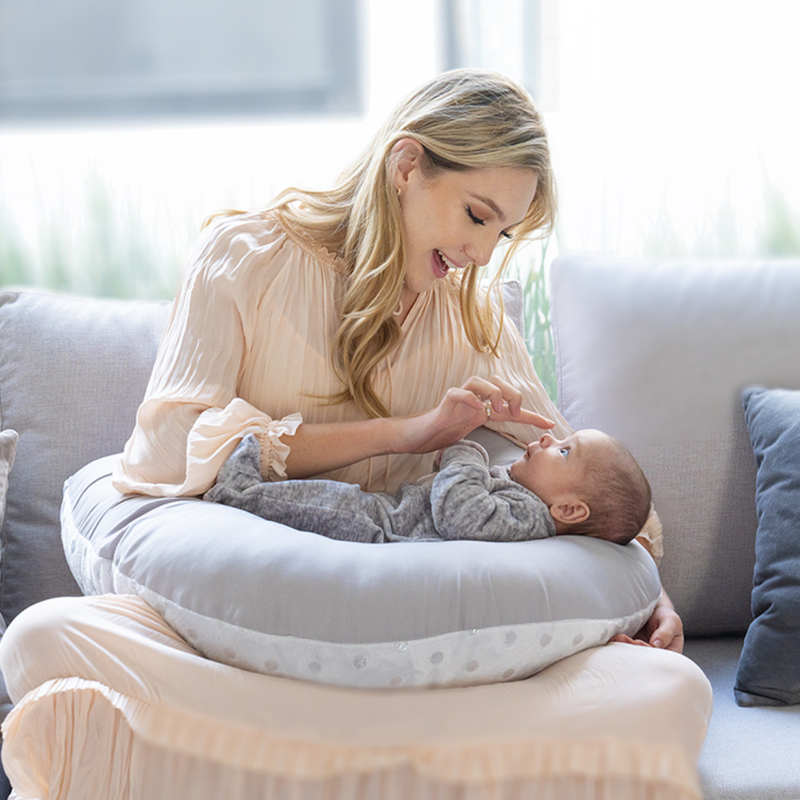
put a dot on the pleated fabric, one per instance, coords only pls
(248, 350)
(123, 708)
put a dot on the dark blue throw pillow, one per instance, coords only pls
(769, 666)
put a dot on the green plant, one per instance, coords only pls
(720, 236)
(101, 249)
(530, 268)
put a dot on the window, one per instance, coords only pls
(519, 38)
(128, 58)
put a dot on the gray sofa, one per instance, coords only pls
(656, 354)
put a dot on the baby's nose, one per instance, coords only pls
(545, 440)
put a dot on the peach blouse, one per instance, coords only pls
(247, 350)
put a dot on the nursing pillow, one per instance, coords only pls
(261, 596)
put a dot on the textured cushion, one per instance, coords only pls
(657, 354)
(749, 753)
(264, 597)
(8, 446)
(72, 373)
(769, 667)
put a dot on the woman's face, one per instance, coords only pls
(455, 218)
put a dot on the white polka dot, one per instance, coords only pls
(545, 640)
(315, 666)
(508, 673)
(359, 662)
(270, 666)
(401, 646)
(396, 681)
(510, 638)
(229, 653)
(472, 666)
(191, 633)
(578, 639)
(437, 658)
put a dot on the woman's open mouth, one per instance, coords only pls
(442, 264)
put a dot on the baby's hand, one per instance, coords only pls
(437, 462)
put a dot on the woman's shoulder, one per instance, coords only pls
(233, 243)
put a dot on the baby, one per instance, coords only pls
(586, 484)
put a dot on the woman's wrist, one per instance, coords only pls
(321, 447)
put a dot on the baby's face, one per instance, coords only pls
(553, 468)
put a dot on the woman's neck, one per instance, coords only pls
(407, 300)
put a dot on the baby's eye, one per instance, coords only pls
(564, 451)
(476, 220)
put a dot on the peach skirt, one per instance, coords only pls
(113, 705)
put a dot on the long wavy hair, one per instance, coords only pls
(464, 119)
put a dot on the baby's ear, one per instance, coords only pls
(570, 511)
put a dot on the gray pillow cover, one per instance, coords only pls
(769, 666)
(8, 447)
(258, 595)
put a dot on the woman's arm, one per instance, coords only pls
(321, 447)
(664, 629)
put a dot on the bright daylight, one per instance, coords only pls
(399, 400)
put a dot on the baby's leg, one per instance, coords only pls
(332, 509)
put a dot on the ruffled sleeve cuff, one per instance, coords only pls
(217, 432)
(274, 452)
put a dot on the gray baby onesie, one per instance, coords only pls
(467, 500)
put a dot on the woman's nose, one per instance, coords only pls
(480, 250)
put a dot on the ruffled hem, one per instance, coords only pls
(648, 771)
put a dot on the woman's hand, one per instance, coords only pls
(463, 409)
(664, 629)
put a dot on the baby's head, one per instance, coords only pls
(590, 482)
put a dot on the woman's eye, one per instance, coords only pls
(506, 234)
(476, 220)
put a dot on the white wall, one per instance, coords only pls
(674, 105)
(651, 106)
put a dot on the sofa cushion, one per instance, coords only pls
(72, 373)
(749, 753)
(8, 446)
(657, 354)
(259, 595)
(769, 667)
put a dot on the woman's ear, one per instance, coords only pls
(404, 158)
(570, 511)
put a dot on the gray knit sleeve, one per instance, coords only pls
(468, 502)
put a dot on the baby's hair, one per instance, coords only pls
(618, 495)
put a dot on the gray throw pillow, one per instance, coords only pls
(769, 666)
(8, 446)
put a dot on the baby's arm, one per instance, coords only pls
(469, 503)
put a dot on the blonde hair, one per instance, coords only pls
(464, 119)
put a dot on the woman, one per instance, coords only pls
(333, 325)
